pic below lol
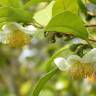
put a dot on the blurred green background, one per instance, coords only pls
(20, 69)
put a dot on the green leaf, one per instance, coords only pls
(69, 23)
(43, 81)
(82, 7)
(15, 3)
(65, 5)
(15, 15)
(32, 2)
(93, 1)
(43, 16)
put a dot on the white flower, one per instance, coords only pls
(15, 35)
(77, 65)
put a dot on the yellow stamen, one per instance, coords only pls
(18, 39)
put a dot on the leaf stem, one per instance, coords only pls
(92, 40)
(43, 81)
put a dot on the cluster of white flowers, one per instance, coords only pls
(77, 66)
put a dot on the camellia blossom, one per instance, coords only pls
(15, 35)
(77, 66)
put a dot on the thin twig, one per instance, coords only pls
(92, 40)
(94, 25)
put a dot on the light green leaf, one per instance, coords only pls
(43, 81)
(15, 14)
(43, 16)
(12, 3)
(69, 23)
(65, 5)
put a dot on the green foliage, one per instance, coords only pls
(32, 2)
(65, 5)
(61, 23)
(82, 7)
(6, 3)
(9, 14)
(13, 12)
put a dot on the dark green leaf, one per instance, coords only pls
(82, 7)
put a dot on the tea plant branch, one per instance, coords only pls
(92, 40)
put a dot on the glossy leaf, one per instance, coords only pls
(69, 23)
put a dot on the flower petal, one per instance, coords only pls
(61, 63)
(3, 37)
(73, 59)
(12, 26)
(30, 29)
(90, 57)
(5, 29)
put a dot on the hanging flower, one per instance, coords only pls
(77, 66)
(15, 35)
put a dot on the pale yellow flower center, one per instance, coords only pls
(79, 70)
(18, 39)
